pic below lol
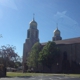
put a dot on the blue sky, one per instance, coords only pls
(15, 16)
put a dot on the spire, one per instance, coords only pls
(33, 16)
(33, 22)
(57, 26)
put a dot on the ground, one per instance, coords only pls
(17, 74)
(40, 76)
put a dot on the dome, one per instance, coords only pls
(56, 32)
(33, 24)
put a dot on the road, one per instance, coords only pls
(42, 78)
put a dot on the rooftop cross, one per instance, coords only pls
(57, 25)
(33, 16)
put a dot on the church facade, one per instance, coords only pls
(70, 46)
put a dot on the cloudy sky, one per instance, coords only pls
(15, 16)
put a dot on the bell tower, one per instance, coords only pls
(33, 32)
(32, 38)
(56, 35)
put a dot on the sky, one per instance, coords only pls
(15, 16)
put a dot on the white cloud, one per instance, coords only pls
(63, 19)
(8, 3)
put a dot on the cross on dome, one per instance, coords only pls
(57, 26)
(33, 16)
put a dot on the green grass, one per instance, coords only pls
(15, 74)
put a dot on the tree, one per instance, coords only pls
(32, 60)
(49, 55)
(8, 55)
(18, 64)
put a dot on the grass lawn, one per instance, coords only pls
(15, 74)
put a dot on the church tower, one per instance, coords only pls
(33, 32)
(56, 35)
(32, 38)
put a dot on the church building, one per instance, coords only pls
(70, 46)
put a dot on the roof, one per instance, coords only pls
(66, 41)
